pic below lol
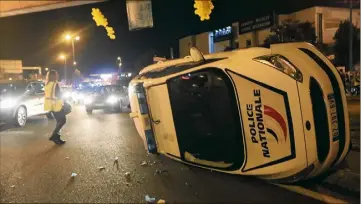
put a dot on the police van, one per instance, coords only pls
(278, 113)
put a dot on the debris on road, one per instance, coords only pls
(196, 194)
(149, 199)
(13, 186)
(161, 201)
(187, 184)
(101, 168)
(73, 175)
(144, 163)
(66, 157)
(159, 171)
(127, 176)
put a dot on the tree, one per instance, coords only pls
(292, 31)
(341, 47)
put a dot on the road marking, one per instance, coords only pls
(312, 194)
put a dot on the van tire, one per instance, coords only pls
(89, 110)
(20, 117)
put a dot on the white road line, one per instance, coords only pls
(312, 194)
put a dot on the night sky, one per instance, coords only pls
(36, 38)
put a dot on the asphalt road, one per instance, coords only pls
(353, 158)
(33, 169)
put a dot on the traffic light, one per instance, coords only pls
(203, 8)
(100, 20)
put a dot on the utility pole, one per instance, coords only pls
(73, 46)
(65, 72)
(350, 39)
(171, 53)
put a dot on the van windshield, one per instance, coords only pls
(206, 119)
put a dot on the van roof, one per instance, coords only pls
(162, 65)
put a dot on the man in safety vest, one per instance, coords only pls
(54, 104)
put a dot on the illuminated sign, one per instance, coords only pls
(256, 24)
(222, 34)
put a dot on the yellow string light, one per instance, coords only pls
(100, 20)
(203, 9)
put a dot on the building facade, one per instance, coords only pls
(11, 69)
(325, 21)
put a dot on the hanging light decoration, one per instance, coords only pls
(100, 20)
(203, 9)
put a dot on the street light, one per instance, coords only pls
(73, 39)
(119, 62)
(63, 57)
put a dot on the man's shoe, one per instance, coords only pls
(56, 139)
(52, 138)
(59, 142)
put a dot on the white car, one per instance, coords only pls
(20, 100)
(277, 113)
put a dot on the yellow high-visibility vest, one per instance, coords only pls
(52, 103)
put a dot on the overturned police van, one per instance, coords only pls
(278, 113)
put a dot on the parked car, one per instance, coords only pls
(279, 113)
(109, 98)
(20, 100)
(67, 94)
(80, 93)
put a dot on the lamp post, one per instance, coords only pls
(63, 57)
(119, 62)
(69, 37)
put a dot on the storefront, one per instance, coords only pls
(253, 32)
(220, 39)
(211, 42)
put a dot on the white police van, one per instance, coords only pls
(277, 113)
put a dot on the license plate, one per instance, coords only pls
(333, 112)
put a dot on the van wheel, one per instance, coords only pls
(89, 110)
(20, 116)
(50, 116)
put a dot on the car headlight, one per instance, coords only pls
(88, 100)
(282, 64)
(112, 99)
(7, 103)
